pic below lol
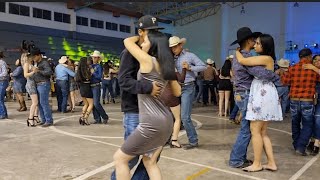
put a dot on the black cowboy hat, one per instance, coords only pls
(245, 33)
(2, 54)
(35, 51)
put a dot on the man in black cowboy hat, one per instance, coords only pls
(242, 82)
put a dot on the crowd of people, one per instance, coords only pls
(158, 79)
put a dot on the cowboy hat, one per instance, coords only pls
(63, 59)
(243, 34)
(210, 61)
(35, 51)
(96, 54)
(2, 54)
(229, 57)
(175, 40)
(283, 63)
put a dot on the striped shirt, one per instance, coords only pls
(302, 81)
(195, 63)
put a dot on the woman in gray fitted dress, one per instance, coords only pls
(31, 87)
(156, 121)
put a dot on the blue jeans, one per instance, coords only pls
(301, 113)
(316, 130)
(44, 106)
(3, 109)
(234, 112)
(186, 107)
(107, 85)
(283, 92)
(130, 122)
(62, 94)
(98, 111)
(239, 151)
(200, 92)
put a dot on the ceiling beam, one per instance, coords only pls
(76, 5)
(209, 11)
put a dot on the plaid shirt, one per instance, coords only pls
(302, 81)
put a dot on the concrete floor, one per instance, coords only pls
(70, 151)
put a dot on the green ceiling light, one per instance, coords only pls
(70, 53)
(82, 53)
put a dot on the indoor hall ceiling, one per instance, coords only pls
(176, 12)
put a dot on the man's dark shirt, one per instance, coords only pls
(129, 85)
(44, 72)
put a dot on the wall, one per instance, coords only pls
(212, 36)
(203, 37)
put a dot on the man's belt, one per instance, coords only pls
(94, 84)
(188, 83)
(302, 99)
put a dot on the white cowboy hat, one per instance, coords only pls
(210, 61)
(231, 56)
(63, 59)
(283, 63)
(96, 54)
(175, 40)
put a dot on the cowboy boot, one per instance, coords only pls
(20, 105)
(24, 107)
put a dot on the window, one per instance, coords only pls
(82, 21)
(125, 28)
(96, 23)
(19, 9)
(41, 13)
(61, 17)
(112, 26)
(2, 7)
(136, 31)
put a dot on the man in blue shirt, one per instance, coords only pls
(62, 83)
(98, 111)
(193, 65)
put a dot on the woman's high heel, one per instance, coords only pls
(29, 123)
(85, 119)
(36, 118)
(173, 145)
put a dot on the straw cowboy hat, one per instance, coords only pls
(175, 40)
(96, 54)
(210, 61)
(283, 63)
(243, 34)
(63, 59)
(229, 57)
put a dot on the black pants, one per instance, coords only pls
(212, 85)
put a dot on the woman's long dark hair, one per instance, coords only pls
(83, 73)
(267, 44)
(225, 70)
(106, 68)
(159, 48)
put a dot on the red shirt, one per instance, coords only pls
(302, 81)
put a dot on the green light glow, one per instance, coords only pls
(77, 50)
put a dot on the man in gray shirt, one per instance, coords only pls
(42, 79)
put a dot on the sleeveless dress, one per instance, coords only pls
(31, 84)
(156, 121)
(263, 102)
